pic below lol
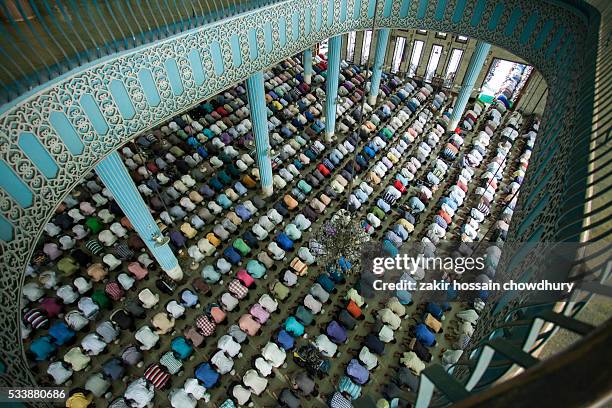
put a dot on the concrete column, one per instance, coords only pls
(307, 62)
(257, 105)
(116, 178)
(379, 59)
(333, 71)
(475, 65)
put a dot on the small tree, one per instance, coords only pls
(340, 236)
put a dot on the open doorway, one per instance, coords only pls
(506, 79)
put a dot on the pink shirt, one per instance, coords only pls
(245, 278)
(137, 270)
(259, 313)
(249, 325)
(87, 208)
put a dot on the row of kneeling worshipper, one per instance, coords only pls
(423, 334)
(92, 238)
(199, 177)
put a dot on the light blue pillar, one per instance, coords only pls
(307, 62)
(379, 59)
(475, 65)
(257, 105)
(333, 71)
(116, 178)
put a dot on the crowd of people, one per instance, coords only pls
(100, 317)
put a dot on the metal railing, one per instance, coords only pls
(438, 388)
(43, 39)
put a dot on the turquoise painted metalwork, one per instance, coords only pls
(93, 113)
(330, 12)
(196, 66)
(174, 77)
(236, 57)
(268, 36)
(295, 26)
(496, 16)
(66, 132)
(253, 52)
(217, 58)
(459, 9)
(14, 186)
(116, 178)
(422, 10)
(371, 8)
(333, 70)
(257, 105)
(543, 34)
(343, 10)
(552, 46)
(6, 229)
(475, 65)
(75, 33)
(319, 17)
(513, 21)
(148, 86)
(379, 59)
(122, 98)
(38, 154)
(282, 31)
(308, 24)
(52, 111)
(357, 9)
(534, 213)
(479, 10)
(405, 9)
(530, 25)
(440, 10)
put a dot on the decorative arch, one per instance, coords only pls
(92, 111)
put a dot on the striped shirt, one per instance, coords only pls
(157, 375)
(483, 208)
(114, 291)
(36, 318)
(123, 251)
(94, 247)
(169, 361)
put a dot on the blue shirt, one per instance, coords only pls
(189, 298)
(207, 375)
(255, 269)
(181, 348)
(285, 340)
(424, 335)
(326, 282)
(61, 333)
(284, 241)
(42, 348)
(293, 327)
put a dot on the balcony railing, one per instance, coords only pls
(43, 39)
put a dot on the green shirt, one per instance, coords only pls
(100, 298)
(94, 224)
